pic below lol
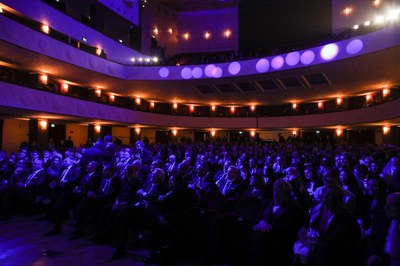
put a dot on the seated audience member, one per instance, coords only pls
(392, 243)
(24, 193)
(125, 195)
(374, 220)
(232, 188)
(201, 181)
(333, 236)
(69, 200)
(140, 213)
(276, 231)
(312, 182)
(172, 165)
(166, 227)
(68, 178)
(330, 177)
(88, 209)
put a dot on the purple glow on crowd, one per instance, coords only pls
(208, 71)
(329, 51)
(277, 62)
(186, 73)
(197, 72)
(307, 57)
(354, 46)
(262, 65)
(234, 68)
(292, 58)
(163, 72)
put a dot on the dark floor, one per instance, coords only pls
(21, 243)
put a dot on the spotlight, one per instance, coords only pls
(379, 19)
(393, 14)
(133, 59)
(43, 124)
(356, 27)
(367, 23)
(97, 128)
(45, 28)
(386, 130)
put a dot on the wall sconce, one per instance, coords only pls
(65, 87)
(98, 51)
(386, 130)
(111, 98)
(227, 33)
(98, 93)
(212, 132)
(252, 133)
(44, 78)
(253, 108)
(45, 28)
(376, 3)
(232, 109)
(138, 101)
(213, 108)
(294, 106)
(43, 125)
(155, 31)
(97, 128)
(207, 35)
(320, 105)
(385, 92)
(174, 132)
(339, 101)
(175, 106)
(186, 36)
(339, 132)
(347, 11)
(137, 130)
(368, 97)
(170, 31)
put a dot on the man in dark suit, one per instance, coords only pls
(276, 231)
(70, 199)
(232, 187)
(67, 180)
(143, 211)
(89, 207)
(172, 165)
(201, 181)
(24, 192)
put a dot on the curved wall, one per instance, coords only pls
(15, 96)
(29, 39)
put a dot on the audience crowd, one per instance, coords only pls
(247, 203)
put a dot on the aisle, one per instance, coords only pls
(21, 243)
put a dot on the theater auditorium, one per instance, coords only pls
(206, 132)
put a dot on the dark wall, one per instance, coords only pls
(267, 24)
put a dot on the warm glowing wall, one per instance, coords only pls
(78, 133)
(14, 132)
(123, 133)
(149, 133)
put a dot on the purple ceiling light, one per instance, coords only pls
(329, 51)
